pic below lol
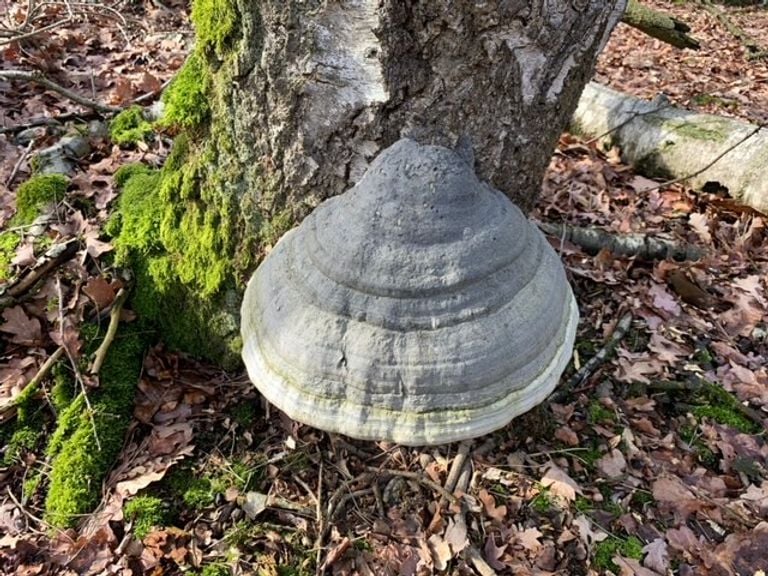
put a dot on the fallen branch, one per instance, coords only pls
(641, 245)
(597, 360)
(659, 25)
(38, 78)
(54, 257)
(749, 43)
(418, 478)
(33, 384)
(711, 163)
(114, 321)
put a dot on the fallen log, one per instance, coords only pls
(659, 140)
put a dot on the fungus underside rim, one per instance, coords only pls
(412, 428)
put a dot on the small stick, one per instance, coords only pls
(418, 478)
(597, 360)
(53, 257)
(69, 94)
(643, 246)
(73, 363)
(33, 384)
(17, 166)
(457, 466)
(114, 321)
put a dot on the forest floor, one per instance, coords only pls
(650, 460)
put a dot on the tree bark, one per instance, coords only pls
(284, 104)
(325, 86)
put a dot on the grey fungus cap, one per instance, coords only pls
(420, 307)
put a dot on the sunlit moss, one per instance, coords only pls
(130, 127)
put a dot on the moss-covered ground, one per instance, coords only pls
(90, 431)
(32, 197)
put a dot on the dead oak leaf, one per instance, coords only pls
(100, 291)
(612, 465)
(494, 512)
(663, 301)
(24, 330)
(656, 556)
(560, 484)
(700, 224)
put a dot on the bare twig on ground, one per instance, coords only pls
(33, 384)
(19, 162)
(38, 78)
(641, 245)
(622, 326)
(114, 321)
(420, 478)
(457, 466)
(54, 257)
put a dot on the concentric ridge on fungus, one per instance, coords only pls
(419, 307)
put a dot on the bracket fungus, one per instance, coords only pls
(419, 307)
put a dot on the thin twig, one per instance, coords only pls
(17, 166)
(73, 363)
(53, 258)
(38, 78)
(35, 32)
(598, 359)
(114, 322)
(418, 478)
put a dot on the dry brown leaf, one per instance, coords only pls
(494, 512)
(440, 551)
(456, 535)
(100, 291)
(612, 465)
(656, 556)
(24, 330)
(700, 224)
(560, 484)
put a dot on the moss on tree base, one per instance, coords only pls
(186, 230)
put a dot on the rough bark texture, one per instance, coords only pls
(325, 86)
(283, 104)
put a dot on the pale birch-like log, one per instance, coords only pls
(667, 142)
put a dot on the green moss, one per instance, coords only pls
(244, 413)
(88, 439)
(216, 22)
(632, 547)
(726, 416)
(37, 192)
(130, 127)
(24, 439)
(9, 241)
(722, 407)
(216, 569)
(187, 98)
(145, 512)
(542, 502)
(599, 414)
(63, 390)
(30, 485)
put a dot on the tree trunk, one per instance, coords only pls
(285, 103)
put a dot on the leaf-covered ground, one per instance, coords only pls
(652, 462)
